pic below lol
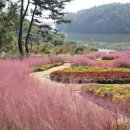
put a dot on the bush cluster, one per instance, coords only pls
(46, 67)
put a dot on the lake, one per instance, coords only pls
(81, 37)
(101, 40)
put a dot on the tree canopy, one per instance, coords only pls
(14, 23)
(52, 8)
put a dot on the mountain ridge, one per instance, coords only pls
(105, 19)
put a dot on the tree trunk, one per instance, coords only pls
(22, 16)
(28, 33)
(20, 31)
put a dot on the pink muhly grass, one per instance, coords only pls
(80, 60)
(118, 54)
(95, 55)
(26, 104)
(39, 60)
(122, 62)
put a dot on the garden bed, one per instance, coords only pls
(115, 97)
(85, 74)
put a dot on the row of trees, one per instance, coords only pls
(111, 18)
(14, 23)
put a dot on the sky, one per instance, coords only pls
(77, 5)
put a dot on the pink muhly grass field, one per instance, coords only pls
(122, 62)
(80, 60)
(26, 104)
(37, 60)
(95, 55)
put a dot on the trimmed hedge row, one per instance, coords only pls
(46, 67)
(105, 77)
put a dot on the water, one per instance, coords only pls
(109, 38)
(104, 41)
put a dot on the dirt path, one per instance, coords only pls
(47, 72)
(43, 76)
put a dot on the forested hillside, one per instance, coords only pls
(111, 18)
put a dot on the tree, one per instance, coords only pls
(8, 20)
(43, 9)
(22, 18)
(2, 4)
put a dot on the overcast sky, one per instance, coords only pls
(77, 5)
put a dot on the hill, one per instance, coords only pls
(109, 19)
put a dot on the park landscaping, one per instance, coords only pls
(106, 81)
(27, 103)
(49, 83)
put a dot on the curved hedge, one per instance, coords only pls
(46, 67)
(91, 75)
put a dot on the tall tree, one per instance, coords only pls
(43, 9)
(22, 18)
(2, 3)
(8, 20)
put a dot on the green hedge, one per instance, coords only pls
(84, 74)
(46, 67)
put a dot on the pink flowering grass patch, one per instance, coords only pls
(122, 62)
(41, 60)
(80, 60)
(95, 55)
(116, 59)
(27, 104)
(118, 54)
(37, 60)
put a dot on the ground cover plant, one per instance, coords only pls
(85, 74)
(46, 67)
(115, 91)
(27, 104)
(115, 97)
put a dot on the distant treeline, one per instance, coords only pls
(111, 18)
